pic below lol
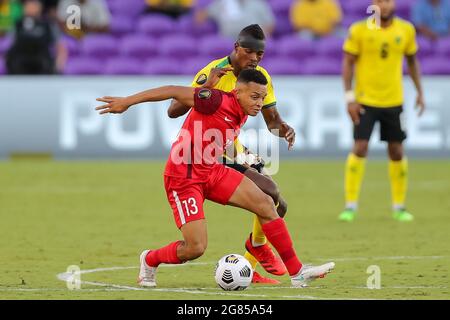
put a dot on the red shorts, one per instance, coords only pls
(186, 196)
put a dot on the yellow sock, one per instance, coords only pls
(354, 173)
(251, 259)
(398, 174)
(258, 238)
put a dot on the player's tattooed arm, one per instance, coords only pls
(121, 104)
(178, 109)
(278, 127)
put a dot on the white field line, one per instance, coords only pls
(115, 287)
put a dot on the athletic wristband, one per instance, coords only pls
(350, 96)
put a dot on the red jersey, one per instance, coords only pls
(211, 126)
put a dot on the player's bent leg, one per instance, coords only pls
(195, 240)
(248, 196)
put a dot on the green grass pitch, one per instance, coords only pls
(102, 214)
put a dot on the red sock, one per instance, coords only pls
(278, 235)
(167, 254)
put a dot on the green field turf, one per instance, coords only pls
(102, 215)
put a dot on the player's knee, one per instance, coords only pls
(195, 250)
(266, 208)
(360, 149)
(395, 153)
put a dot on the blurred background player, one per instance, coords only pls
(313, 19)
(35, 39)
(247, 54)
(432, 18)
(377, 55)
(171, 8)
(10, 13)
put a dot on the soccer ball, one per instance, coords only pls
(233, 272)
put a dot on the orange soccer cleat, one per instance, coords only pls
(265, 256)
(257, 278)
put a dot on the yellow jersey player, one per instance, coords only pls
(248, 52)
(375, 53)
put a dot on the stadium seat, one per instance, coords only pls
(329, 46)
(295, 47)
(123, 66)
(99, 46)
(73, 46)
(84, 66)
(193, 65)
(443, 48)
(162, 66)
(177, 46)
(322, 66)
(138, 46)
(285, 65)
(283, 26)
(280, 7)
(426, 48)
(2, 66)
(156, 25)
(435, 65)
(129, 8)
(216, 46)
(355, 7)
(121, 25)
(5, 43)
(187, 25)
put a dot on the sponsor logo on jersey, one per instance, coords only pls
(204, 94)
(202, 79)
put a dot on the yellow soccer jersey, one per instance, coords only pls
(228, 82)
(378, 70)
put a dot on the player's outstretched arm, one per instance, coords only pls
(121, 104)
(414, 71)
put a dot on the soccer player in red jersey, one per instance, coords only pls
(193, 173)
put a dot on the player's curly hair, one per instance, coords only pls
(254, 31)
(252, 75)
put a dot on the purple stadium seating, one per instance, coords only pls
(288, 66)
(295, 47)
(187, 25)
(156, 25)
(73, 46)
(436, 65)
(100, 46)
(121, 25)
(216, 46)
(2, 66)
(138, 46)
(178, 46)
(193, 65)
(330, 46)
(322, 66)
(426, 48)
(84, 65)
(355, 7)
(156, 44)
(443, 47)
(162, 66)
(280, 7)
(5, 43)
(123, 66)
(130, 8)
